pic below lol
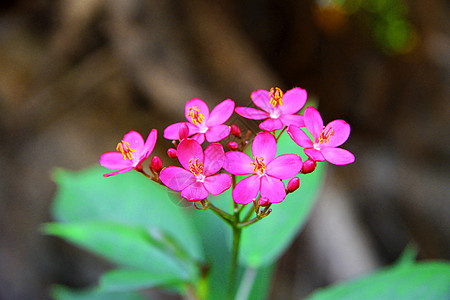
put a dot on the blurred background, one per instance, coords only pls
(76, 75)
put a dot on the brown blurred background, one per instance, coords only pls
(76, 75)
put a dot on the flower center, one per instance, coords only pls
(258, 165)
(276, 96)
(124, 148)
(195, 167)
(195, 115)
(325, 135)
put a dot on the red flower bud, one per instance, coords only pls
(233, 145)
(236, 131)
(156, 164)
(308, 166)
(293, 184)
(183, 131)
(263, 201)
(172, 153)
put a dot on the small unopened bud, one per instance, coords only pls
(263, 201)
(183, 131)
(156, 164)
(293, 184)
(172, 153)
(236, 131)
(233, 145)
(309, 165)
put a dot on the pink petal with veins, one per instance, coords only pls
(338, 156)
(284, 166)
(189, 150)
(218, 183)
(214, 159)
(251, 113)
(313, 122)
(246, 190)
(221, 113)
(201, 105)
(176, 178)
(265, 146)
(341, 132)
(300, 137)
(194, 192)
(238, 163)
(217, 133)
(273, 189)
(114, 161)
(293, 101)
(271, 125)
(314, 154)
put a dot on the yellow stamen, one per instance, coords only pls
(124, 148)
(195, 167)
(325, 135)
(276, 96)
(259, 165)
(195, 115)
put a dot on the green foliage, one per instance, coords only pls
(402, 282)
(61, 292)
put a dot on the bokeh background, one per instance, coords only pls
(76, 75)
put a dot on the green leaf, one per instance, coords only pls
(125, 245)
(263, 242)
(419, 281)
(128, 198)
(134, 280)
(63, 293)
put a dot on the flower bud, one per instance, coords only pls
(236, 131)
(183, 131)
(172, 153)
(156, 164)
(293, 184)
(263, 201)
(308, 166)
(233, 145)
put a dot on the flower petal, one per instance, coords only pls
(199, 137)
(246, 190)
(194, 192)
(171, 131)
(214, 159)
(341, 132)
(218, 183)
(271, 125)
(285, 166)
(297, 120)
(176, 178)
(273, 189)
(189, 150)
(313, 122)
(251, 113)
(149, 144)
(314, 154)
(338, 156)
(293, 100)
(118, 172)
(195, 104)
(265, 146)
(114, 161)
(221, 113)
(217, 133)
(238, 163)
(261, 98)
(135, 141)
(300, 137)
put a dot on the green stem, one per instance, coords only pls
(234, 259)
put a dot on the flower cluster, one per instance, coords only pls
(213, 171)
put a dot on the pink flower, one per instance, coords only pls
(202, 123)
(131, 153)
(197, 179)
(266, 170)
(326, 139)
(279, 109)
